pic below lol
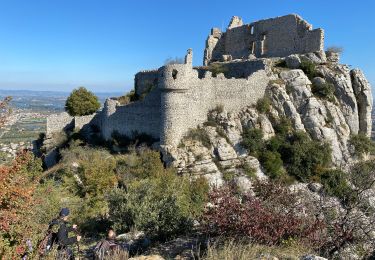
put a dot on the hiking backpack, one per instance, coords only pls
(46, 244)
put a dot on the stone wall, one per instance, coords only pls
(142, 116)
(276, 37)
(237, 69)
(64, 122)
(145, 80)
(182, 100)
(186, 99)
(58, 122)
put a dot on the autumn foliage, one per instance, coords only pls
(263, 219)
(18, 182)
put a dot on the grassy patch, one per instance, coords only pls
(263, 105)
(200, 134)
(325, 91)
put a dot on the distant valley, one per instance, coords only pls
(28, 119)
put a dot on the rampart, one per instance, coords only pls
(142, 116)
(276, 37)
(178, 97)
(144, 81)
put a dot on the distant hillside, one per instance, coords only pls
(44, 101)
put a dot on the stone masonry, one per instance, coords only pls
(178, 97)
(275, 37)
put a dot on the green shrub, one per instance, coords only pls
(325, 91)
(200, 134)
(272, 164)
(305, 157)
(335, 183)
(228, 176)
(87, 174)
(163, 206)
(129, 97)
(253, 140)
(263, 105)
(249, 171)
(361, 145)
(145, 164)
(82, 102)
(217, 68)
(302, 157)
(284, 126)
(309, 68)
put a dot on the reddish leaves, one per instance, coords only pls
(262, 220)
(16, 199)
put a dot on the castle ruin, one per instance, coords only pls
(177, 97)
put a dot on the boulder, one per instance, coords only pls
(318, 81)
(293, 61)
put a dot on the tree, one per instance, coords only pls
(18, 183)
(82, 102)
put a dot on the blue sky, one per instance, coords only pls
(62, 44)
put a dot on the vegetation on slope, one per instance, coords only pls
(82, 102)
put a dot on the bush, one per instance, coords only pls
(252, 140)
(335, 183)
(305, 157)
(260, 221)
(142, 165)
(200, 134)
(128, 98)
(264, 105)
(361, 145)
(283, 127)
(162, 206)
(218, 68)
(309, 68)
(272, 164)
(325, 91)
(353, 224)
(18, 183)
(82, 102)
(88, 174)
(302, 157)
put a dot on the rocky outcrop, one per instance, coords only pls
(290, 92)
(339, 76)
(362, 92)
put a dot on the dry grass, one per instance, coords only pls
(241, 251)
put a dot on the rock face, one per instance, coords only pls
(362, 92)
(290, 92)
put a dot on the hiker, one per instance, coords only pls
(62, 237)
(108, 246)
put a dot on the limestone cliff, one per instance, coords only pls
(334, 120)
